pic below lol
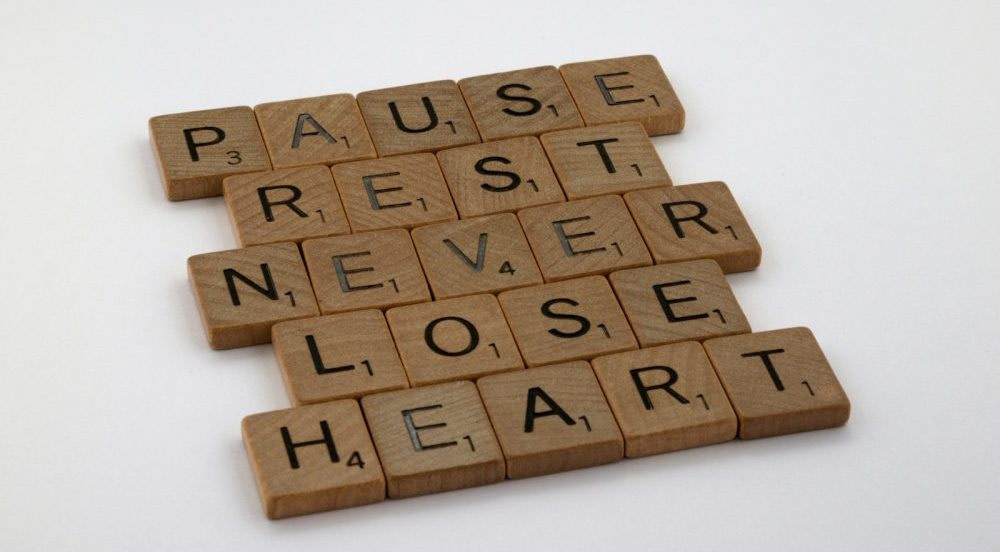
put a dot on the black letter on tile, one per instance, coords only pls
(765, 357)
(327, 439)
(317, 359)
(414, 430)
(665, 303)
(193, 146)
(554, 409)
(676, 221)
(602, 151)
(342, 273)
(645, 389)
(319, 130)
(582, 321)
(536, 105)
(431, 115)
(231, 274)
(480, 252)
(515, 180)
(267, 204)
(373, 192)
(473, 336)
(606, 90)
(565, 238)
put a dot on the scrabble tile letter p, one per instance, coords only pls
(197, 150)
(625, 89)
(242, 293)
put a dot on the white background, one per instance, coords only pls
(861, 140)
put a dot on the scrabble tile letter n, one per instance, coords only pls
(313, 458)
(625, 89)
(197, 150)
(242, 293)
(417, 118)
(779, 382)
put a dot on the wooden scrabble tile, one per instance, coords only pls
(779, 382)
(695, 221)
(417, 118)
(313, 458)
(433, 439)
(551, 419)
(243, 292)
(196, 150)
(284, 205)
(337, 357)
(625, 89)
(666, 398)
(519, 103)
(453, 339)
(606, 159)
(314, 131)
(583, 237)
(480, 255)
(499, 177)
(365, 271)
(689, 301)
(399, 192)
(568, 320)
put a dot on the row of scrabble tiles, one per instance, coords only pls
(407, 191)
(197, 150)
(241, 293)
(543, 420)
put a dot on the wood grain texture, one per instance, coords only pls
(284, 205)
(689, 301)
(666, 398)
(365, 271)
(243, 292)
(633, 88)
(399, 192)
(695, 221)
(779, 382)
(481, 255)
(606, 159)
(313, 131)
(196, 150)
(433, 439)
(313, 458)
(417, 118)
(337, 357)
(499, 177)
(583, 237)
(520, 103)
(454, 339)
(569, 320)
(551, 419)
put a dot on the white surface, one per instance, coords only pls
(861, 141)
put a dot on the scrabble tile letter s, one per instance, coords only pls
(197, 150)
